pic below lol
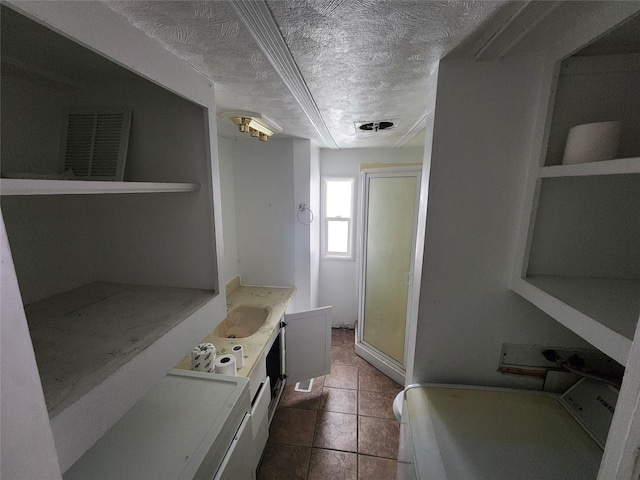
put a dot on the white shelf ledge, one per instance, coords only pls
(107, 339)
(620, 166)
(604, 312)
(15, 186)
(82, 335)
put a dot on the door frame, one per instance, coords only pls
(384, 363)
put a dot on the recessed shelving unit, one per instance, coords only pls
(578, 253)
(582, 259)
(118, 279)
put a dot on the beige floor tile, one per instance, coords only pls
(375, 468)
(293, 426)
(342, 376)
(284, 461)
(332, 465)
(376, 404)
(339, 400)
(378, 437)
(372, 380)
(336, 431)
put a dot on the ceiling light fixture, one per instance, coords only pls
(254, 124)
(253, 127)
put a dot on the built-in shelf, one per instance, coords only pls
(618, 166)
(15, 186)
(81, 336)
(604, 312)
(104, 339)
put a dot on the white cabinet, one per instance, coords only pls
(117, 279)
(578, 257)
(308, 344)
(260, 420)
(299, 348)
(235, 465)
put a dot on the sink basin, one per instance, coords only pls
(242, 321)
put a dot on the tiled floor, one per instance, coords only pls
(343, 429)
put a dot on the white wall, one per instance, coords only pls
(265, 211)
(314, 239)
(302, 233)
(30, 133)
(28, 449)
(228, 194)
(481, 145)
(29, 149)
(262, 186)
(55, 250)
(338, 280)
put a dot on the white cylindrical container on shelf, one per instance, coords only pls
(226, 365)
(238, 352)
(203, 357)
(592, 142)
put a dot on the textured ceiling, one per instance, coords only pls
(315, 67)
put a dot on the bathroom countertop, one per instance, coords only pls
(277, 299)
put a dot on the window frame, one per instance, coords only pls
(350, 254)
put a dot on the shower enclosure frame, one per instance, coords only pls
(382, 361)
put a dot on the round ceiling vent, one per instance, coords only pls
(375, 126)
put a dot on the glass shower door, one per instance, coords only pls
(389, 207)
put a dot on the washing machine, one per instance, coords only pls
(190, 426)
(462, 432)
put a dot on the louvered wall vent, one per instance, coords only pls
(95, 142)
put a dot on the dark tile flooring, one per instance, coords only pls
(343, 429)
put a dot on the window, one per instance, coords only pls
(337, 217)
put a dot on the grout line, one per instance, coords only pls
(336, 450)
(331, 449)
(381, 418)
(313, 437)
(357, 422)
(358, 415)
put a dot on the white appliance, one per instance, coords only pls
(454, 432)
(191, 425)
